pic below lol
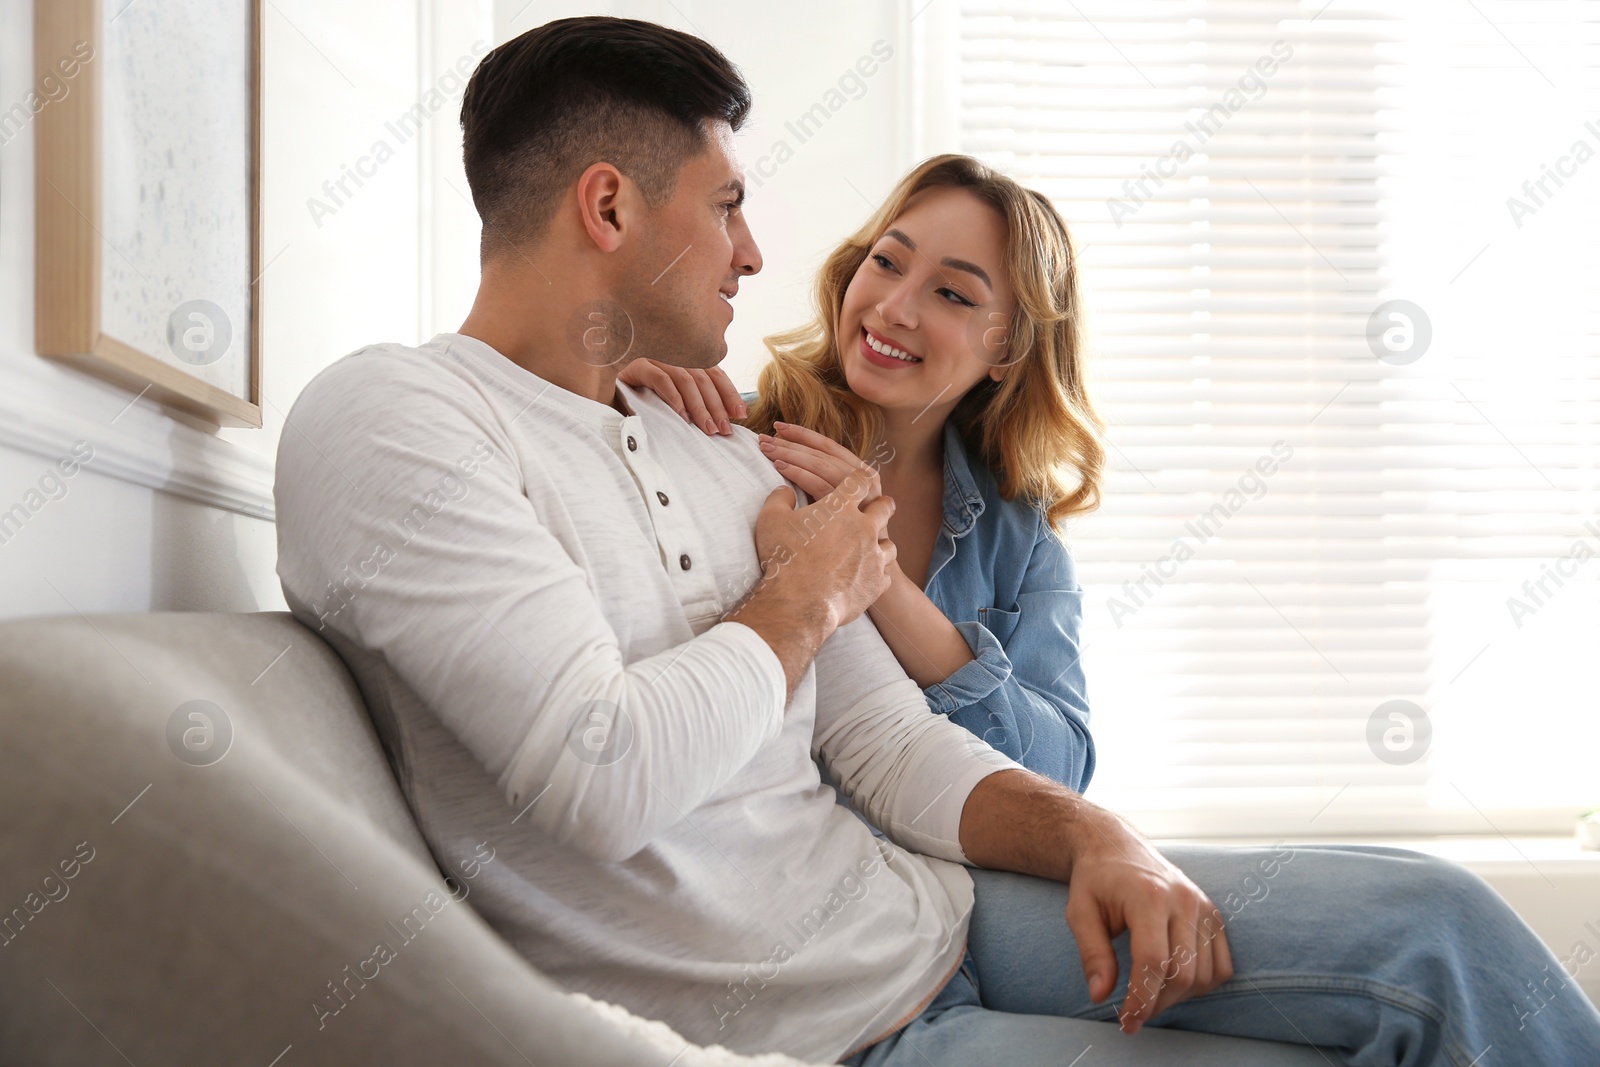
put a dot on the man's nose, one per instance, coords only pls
(746, 256)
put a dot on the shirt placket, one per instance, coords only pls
(683, 552)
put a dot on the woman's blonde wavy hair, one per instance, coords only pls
(1035, 429)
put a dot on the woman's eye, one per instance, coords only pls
(882, 260)
(958, 298)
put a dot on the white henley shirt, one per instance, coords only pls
(528, 586)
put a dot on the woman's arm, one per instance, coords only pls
(926, 643)
(1023, 689)
(1013, 676)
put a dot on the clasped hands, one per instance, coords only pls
(1117, 880)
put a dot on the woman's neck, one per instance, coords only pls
(916, 444)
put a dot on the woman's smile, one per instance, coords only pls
(881, 352)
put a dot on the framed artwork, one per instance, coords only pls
(148, 201)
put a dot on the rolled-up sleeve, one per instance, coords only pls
(989, 669)
(1024, 691)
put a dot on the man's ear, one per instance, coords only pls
(601, 191)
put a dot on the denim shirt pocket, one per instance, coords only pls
(1000, 622)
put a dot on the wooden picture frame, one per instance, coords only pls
(89, 310)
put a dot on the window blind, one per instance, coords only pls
(1342, 277)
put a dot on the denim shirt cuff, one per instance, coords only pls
(973, 681)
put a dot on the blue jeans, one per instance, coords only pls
(1372, 955)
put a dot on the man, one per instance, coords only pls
(548, 588)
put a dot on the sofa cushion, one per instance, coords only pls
(166, 900)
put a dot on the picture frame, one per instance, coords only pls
(148, 198)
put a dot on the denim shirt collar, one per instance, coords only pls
(963, 502)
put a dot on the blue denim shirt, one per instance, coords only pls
(1009, 585)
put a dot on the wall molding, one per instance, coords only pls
(139, 442)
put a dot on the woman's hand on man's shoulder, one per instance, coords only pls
(705, 397)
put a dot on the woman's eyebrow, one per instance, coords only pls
(948, 261)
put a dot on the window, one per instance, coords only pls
(1343, 276)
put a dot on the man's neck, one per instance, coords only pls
(526, 317)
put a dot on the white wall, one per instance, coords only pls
(172, 514)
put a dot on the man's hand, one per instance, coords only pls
(1015, 820)
(822, 566)
(837, 546)
(1118, 883)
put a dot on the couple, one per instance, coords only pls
(621, 651)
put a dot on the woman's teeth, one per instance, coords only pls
(888, 350)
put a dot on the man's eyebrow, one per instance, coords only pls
(734, 186)
(949, 261)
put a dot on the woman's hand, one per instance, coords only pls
(815, 463)
(705, 398)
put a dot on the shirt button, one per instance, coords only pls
(633, 446)
(683, 561)
(662, 497)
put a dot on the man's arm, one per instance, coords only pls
(793, 620)
(403, 524)
(1015, 820)
(908, 771)
(935, 788)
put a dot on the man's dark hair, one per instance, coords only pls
(543, 107)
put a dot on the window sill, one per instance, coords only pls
(1479, 852)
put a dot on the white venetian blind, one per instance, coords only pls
(1298, 533)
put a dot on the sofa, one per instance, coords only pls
(207, 859)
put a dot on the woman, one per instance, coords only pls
(948, 353)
